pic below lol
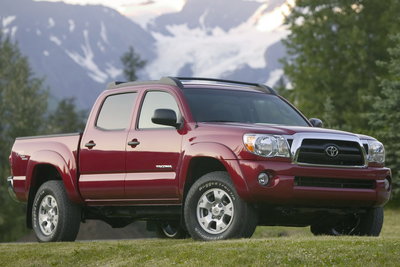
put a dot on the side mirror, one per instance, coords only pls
(316, 122)
(165, 117)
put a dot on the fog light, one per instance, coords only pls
(387, 184)
(263, 178)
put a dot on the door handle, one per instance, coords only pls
(90, 145)
(133, 143)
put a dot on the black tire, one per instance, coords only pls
(372, 222)
(368, 223)
(222, 205)
(54, 217)
(172, 230)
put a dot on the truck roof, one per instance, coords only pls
(190, 82)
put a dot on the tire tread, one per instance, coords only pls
(244, 227)
(69, 213)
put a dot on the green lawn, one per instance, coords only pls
(270, 246)
(391, 228)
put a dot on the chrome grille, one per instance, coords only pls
(328, 150)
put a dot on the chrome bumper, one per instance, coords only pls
(10, 185)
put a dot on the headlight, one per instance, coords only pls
(266, 145)
(376, 151)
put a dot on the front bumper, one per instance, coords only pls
(283, 189)
(10, 185)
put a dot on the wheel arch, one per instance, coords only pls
(202, 158)
(66, 168)
(45, 166)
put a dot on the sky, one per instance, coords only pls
(141, 11)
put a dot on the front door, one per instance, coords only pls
(154, 153)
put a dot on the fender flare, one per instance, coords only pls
(65, 167)
(221, 153)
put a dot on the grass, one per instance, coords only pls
(270, 246)
(391, 228)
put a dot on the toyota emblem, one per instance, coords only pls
(332, 151)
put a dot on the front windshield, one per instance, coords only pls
(215, 105)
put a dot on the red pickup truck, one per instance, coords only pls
(201, 157)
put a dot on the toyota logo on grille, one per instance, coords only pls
(332, 151)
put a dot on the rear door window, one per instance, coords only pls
(115, 113)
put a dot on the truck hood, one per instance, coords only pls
(276, 129)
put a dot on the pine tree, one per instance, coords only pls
(132, 64)
(283, 90)
(328, 114)
(385, 118)
(333, 47)
(66, 118)
(23, 103)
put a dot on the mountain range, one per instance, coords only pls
(77, 48)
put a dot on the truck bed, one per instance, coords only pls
(34, 149)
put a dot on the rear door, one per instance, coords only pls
(154, 154)
(103, 148)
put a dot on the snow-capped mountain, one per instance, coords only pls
(234, 39)
(76, 48)
(207, 15)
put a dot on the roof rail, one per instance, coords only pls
(114, 84)
(263, 87)
(163, 80)
(177, 81)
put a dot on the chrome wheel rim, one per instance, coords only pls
(48, 215)
(215, 211)
(169, 230)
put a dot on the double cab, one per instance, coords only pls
(198, 157)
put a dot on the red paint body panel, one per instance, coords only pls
(102, 186)
(283, 191)
(155, 171)
(61, 152)
(152, 165)
(193, 149)
(102, 167)
(19, 187)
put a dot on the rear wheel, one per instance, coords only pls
(214, 211)
(54, 216)
(361, 224)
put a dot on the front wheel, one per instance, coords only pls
(214, 211)
(54, 216)
(368, 223)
